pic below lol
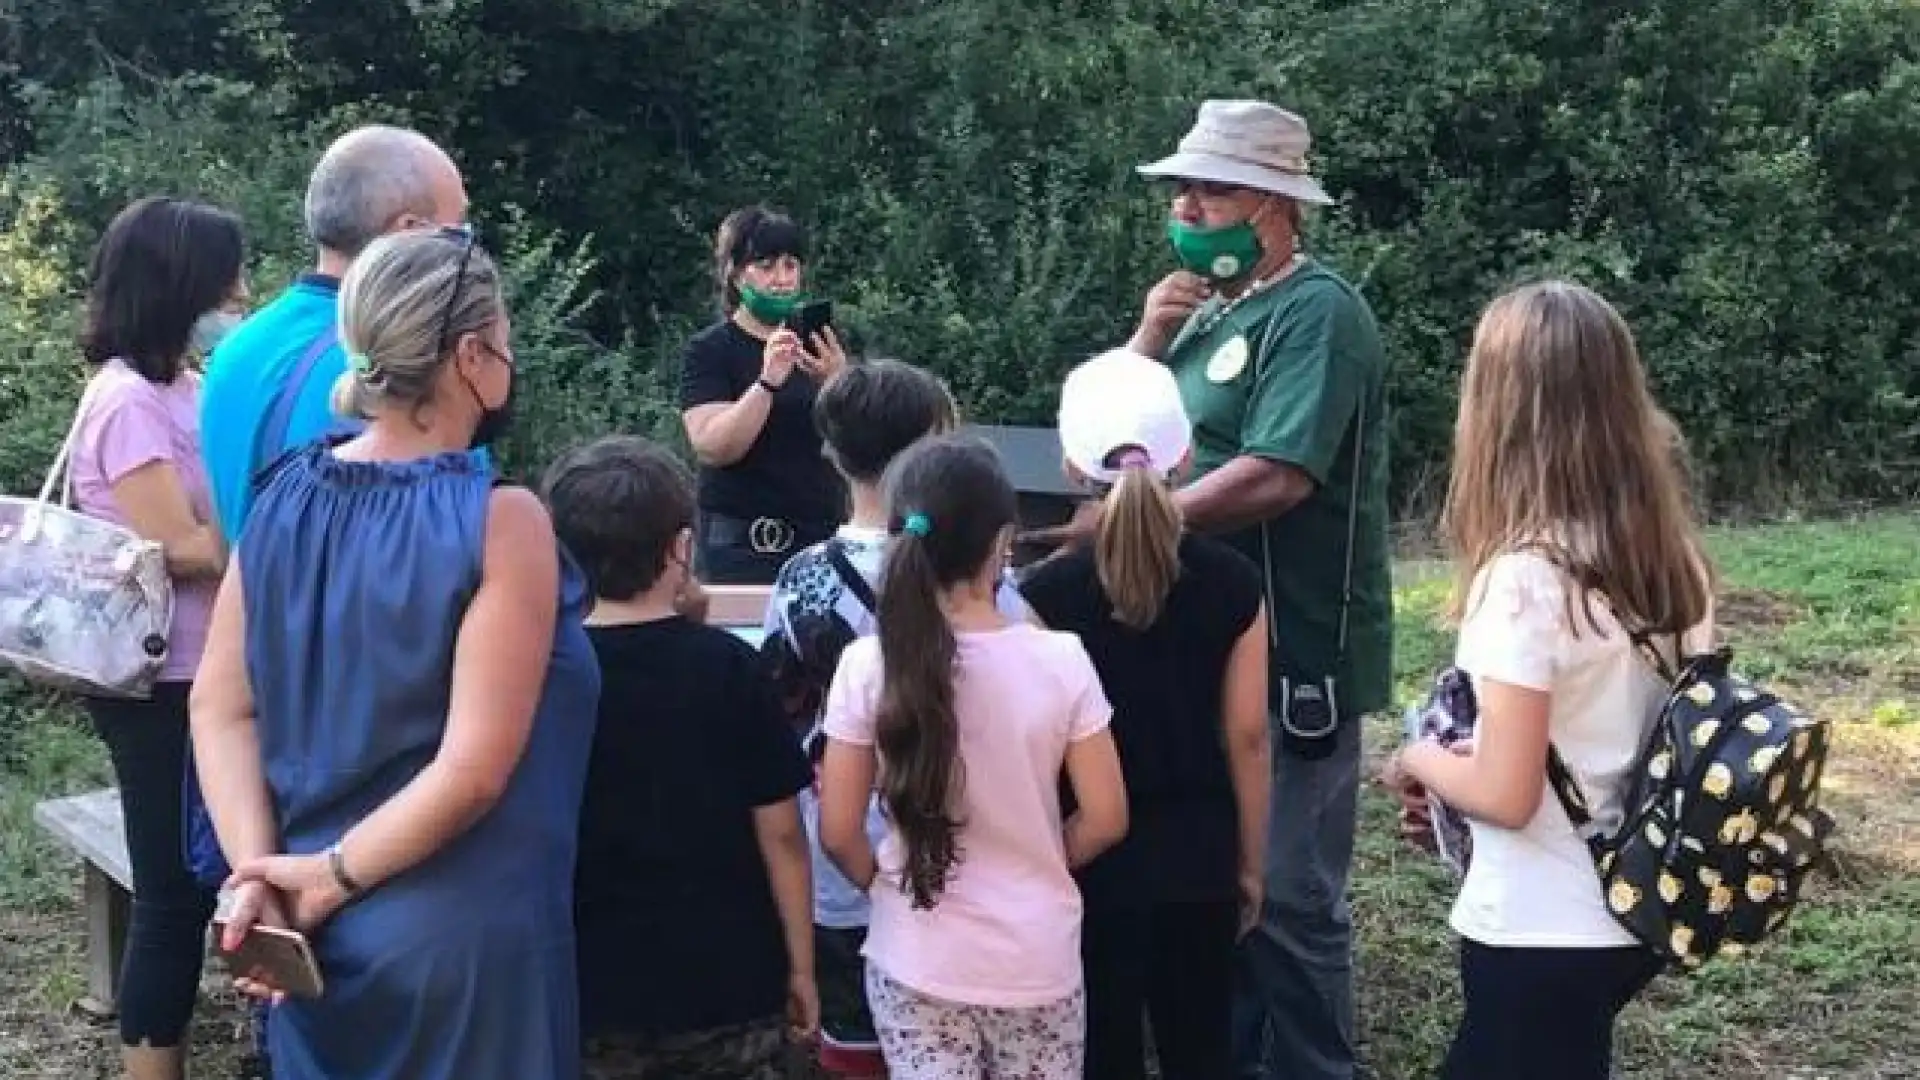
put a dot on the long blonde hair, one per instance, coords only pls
(1136, 552)
(1560, 446)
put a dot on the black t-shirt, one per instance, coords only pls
(1165, 683)
(784, 474)
(677, 925)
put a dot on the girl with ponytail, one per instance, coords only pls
(1175, 625)
(964, 721)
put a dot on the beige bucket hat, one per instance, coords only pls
(1248, 144)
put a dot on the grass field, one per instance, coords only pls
(1828, 613)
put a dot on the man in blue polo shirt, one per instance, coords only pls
(267, 385)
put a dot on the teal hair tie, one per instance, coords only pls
(917, 524)
(359, 362)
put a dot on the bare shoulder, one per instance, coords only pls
(518, 524)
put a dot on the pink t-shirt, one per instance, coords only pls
(1006, 931)
(130, 422)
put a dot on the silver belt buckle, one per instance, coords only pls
(769, 536)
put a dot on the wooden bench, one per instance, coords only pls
(91, 826)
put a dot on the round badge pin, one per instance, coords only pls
(1228, 361)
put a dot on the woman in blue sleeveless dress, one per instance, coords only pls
(394, 716)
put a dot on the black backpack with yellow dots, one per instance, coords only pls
(1722, 818)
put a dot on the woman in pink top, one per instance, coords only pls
(973, 955)
(166, 284)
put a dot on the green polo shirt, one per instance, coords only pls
(1282, 377)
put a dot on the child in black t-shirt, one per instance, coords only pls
(1177, 630)
(693, 893)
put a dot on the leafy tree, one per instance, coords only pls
(1739, 177)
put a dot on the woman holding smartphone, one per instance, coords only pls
(747, 387)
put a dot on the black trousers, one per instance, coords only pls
(1170, 965)
(1543, 1014)
(166, 937)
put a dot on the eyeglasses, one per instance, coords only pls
(1205, 189)
(467, 237)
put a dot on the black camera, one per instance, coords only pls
(1309, 717)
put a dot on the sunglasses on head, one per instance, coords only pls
(467, 237)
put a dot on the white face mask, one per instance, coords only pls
(210, 329)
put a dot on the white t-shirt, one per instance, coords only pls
(1536, 887)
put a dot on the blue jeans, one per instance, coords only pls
(1293, 1002)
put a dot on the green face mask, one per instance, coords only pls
(1222, 254)
(769, 307)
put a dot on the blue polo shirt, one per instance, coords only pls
(244, 377)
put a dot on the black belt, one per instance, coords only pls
(762, 535)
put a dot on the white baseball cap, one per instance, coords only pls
(1122, 399)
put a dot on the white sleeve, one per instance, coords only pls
(1514, 629)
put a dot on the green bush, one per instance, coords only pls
(1740, 177)
(201, 137)
(39, 375)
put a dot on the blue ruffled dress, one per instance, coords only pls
(357, 577)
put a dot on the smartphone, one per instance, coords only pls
(811, 318)
(283, 955)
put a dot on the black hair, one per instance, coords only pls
(161, 264)
(948, 502)
(747, 236)
(618, 505)
(875, 409)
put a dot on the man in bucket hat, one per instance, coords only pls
(1280, 366)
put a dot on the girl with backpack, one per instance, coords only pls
(1176, 627)
(1569, 523)
(965, 720)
